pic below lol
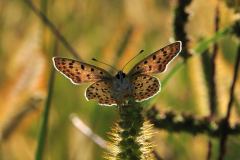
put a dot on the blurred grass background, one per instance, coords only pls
(113, 32)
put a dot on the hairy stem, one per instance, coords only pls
(130, 123)
(180, 21)
(173, 122)
(130, 138)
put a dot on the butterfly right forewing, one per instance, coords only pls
(157, 62)
(79, 72)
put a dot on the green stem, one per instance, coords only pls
(44, 121)
(131, 122)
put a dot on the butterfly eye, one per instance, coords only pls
(123, 75)
(118, 76)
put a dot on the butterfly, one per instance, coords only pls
(107, 89)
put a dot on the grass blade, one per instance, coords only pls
(44, 121)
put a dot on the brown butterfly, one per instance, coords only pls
(111, 90)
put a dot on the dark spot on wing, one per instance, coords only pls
(77, 79)
(160, 68)
(164, 53)
(82, 66)
(154, 57)
(150, 68)
(88, 76)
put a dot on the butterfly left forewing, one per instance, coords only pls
(157, 62)
(79, 72)
(144, 87)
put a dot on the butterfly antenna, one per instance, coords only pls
(104, 64)
(132, 59)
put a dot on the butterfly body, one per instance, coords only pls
(121, 82)
(121, 86)
(109, 90)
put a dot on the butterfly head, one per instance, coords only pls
(120, 75)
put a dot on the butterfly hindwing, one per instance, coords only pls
(144, 87)
(101, 92)
(79, 72)
(157, 61)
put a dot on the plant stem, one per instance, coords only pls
(130, 139)
(212, 80)
(225, 122)
(187, 123)
(180, 21)
(130, 123)
(44, 121)
(53, 29)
